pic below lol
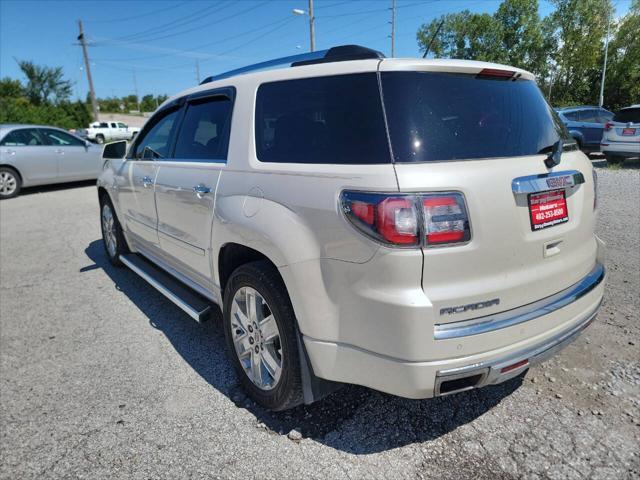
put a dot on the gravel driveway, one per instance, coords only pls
(102, 377)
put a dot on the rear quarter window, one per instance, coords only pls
(329, 120)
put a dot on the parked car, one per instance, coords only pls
(585, 124)
(101, 132)
(37, 154)
(621, 137)
(434, 239)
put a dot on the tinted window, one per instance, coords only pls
(443, 116)
(122, 125)
(604, 116)
(155, 141)
(573, 116)
(589, 116)
(104, 125)
(27, 137)
(334, 119)
(628, 115)
(204, 133)
(58, 138)
(113, 125)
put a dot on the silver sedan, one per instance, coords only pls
(36, 155)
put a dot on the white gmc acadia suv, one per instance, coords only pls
(420, 227)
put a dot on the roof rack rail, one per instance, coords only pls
(341, 53)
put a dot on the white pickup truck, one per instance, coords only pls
(101, 132)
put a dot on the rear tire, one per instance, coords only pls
(262, 339)
(10, 183)
(112, 236)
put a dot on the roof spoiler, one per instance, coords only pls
(341, 53)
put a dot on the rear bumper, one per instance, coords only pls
(416, 379)
(623, 149)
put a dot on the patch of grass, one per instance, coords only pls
(614, 166)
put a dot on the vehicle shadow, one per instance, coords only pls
(628, 164)
(353, 419)
(55, 187)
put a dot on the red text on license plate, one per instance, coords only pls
(628, 131)
(547, 209)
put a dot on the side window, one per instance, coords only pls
(113, 125)
(62, 139)
(25, 137)
(589, 116)
(331, 120)
(571, 116)
(204, 133)
(103, 125)
(121, 125)
(155, 142)
(604, 116)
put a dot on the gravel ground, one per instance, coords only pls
(102, 377)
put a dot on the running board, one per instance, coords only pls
(193, 304)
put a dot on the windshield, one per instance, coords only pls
(435, 116)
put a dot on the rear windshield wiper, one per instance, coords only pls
(554, 153)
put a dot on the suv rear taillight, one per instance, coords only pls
(411, 220)
(608, 126)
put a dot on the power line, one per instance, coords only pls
(136, 17)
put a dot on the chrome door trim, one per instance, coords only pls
(547, 181)
(489, 323)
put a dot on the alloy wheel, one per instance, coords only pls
(8, 183)
(109, 230)
(256, 338)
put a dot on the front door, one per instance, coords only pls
(137, 187)
(185, 186)
(27, 149)
(76, 161)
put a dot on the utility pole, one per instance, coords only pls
(604, 67)
(87, 67)
(312, 30)
(197, 72)
(135, 88)
(393, 28)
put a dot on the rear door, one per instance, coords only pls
(29, 151)
(186, 184)
(592, 126)
(487, 138)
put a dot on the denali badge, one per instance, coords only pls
(470, 306)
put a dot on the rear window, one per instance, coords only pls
(336, 120)
(446, 116)
(627, 115)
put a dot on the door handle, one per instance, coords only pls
(147, 182)
(59, 152)
(10, 152)
(201, 190)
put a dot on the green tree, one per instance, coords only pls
(463, 35)
(578, 28)
(45, 85)
(622, 85)
(10, 88)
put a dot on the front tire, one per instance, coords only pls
(260, 330)
(10, 183)
(112, 236)
(99, 139)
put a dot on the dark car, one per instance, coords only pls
(585, 124)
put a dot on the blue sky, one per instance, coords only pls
(162, 40)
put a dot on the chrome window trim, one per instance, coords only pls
(547, 181)
(509, 318)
